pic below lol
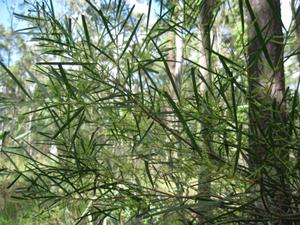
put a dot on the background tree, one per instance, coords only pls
(267, 108)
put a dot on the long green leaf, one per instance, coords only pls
(259, 34)
(86, 33)
(167, 69)
(183, 122)
(12, 76)
(78, 111)
(131, 36)
(104, 19)
(147, 169)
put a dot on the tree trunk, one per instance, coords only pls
(206, 19)
(175, 58)
(267, 113)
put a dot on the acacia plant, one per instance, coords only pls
(116, 139)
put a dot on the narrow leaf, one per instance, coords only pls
(68, 121)
(12, 76)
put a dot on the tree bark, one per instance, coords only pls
(206, 20)
(176, 45)
(267, 112)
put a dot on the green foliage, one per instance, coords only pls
(106, 136)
